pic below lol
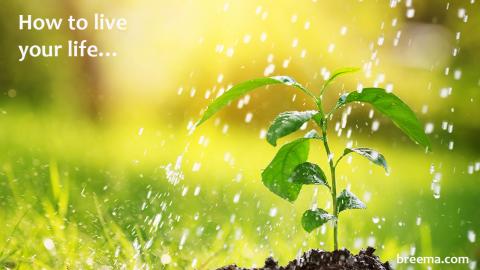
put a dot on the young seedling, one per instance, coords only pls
(289, 170)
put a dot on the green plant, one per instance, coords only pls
(289, 170)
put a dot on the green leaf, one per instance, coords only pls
(337, 73)
(286, 123)
(309, 174)
(346, 200)
(372, 155)
(392, 107)
(313, 134)
(313, 219)
(245, 87)
(276, 177)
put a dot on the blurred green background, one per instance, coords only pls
(97, 170)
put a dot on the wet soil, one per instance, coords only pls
(323, 260)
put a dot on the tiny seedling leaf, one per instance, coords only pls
(337, 73)
(392, 107)
(286, 123)
(243, 88)
(277, 176)
(309, 174)
(346, 200)
(370, 154)
(313, 219)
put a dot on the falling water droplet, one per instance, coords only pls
(457, 74)
(375, 125)
(48, 244)
(429, 128)
(410, 13)
(436, 185)
(418, 222)
(273, 212)
(248, 117)
(165, 259)
(471, 236)
(236, 198)
(269, 70)
(183, 239)
(246, 39)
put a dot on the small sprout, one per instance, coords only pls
(290, 170)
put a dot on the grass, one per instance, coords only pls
(74, 195)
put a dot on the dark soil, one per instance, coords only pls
(324, 260)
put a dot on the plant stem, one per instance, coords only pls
(334, 187)
(323, 125)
